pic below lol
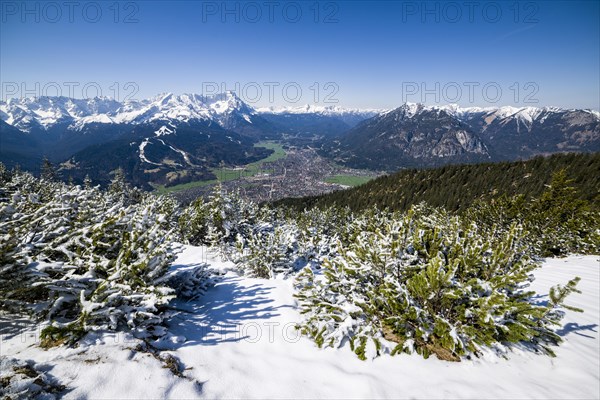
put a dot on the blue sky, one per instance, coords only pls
(354, 54)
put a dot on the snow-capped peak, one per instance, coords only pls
(409, 110)
(523, 115)
(227, 102)
(45, 112)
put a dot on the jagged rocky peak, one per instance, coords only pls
(45, 112)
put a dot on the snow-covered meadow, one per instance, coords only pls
(239, 341)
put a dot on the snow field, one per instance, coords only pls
(238, 341)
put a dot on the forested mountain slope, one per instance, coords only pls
(455, 187)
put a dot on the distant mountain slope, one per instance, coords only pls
(411, 135)
(164, 154)
(17, 148)
(98, 135)
(415, 135)
(457, 186)
(163, 140)
(64, 126)
(308, 125)
(226, 109)
(311, 120)
(524, 132)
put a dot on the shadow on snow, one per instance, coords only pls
(228, 312)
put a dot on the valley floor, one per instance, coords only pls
(302, 172)
(239, 341)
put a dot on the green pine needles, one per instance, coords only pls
(429, 283)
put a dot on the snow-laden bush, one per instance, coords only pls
(320, 231)
(261, 241)
(22, 380)
(429, 283)
(83, 258)
(190, 281)
(267, 251)
(219, 219)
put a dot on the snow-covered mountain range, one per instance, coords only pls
(164, 139)
(419, 135)
(524, 115)
(329, 111)
(45, 112)
(182, 136)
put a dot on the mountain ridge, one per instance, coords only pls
(417, 135)
(174, 134)
(49, 110)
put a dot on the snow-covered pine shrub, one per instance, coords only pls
(261, 241)
(284, 244)
(83, 258)
(129, 294)
(430, 283)
(319, 232)
(189, 282)
(22, 219)
(338, 301)
(218, 220)
(22, 380)
(267, 251)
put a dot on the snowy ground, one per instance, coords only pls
(238, 341)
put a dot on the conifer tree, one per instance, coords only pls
(118, 184)
(87, 181)
(5, 174)
(48, 171)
